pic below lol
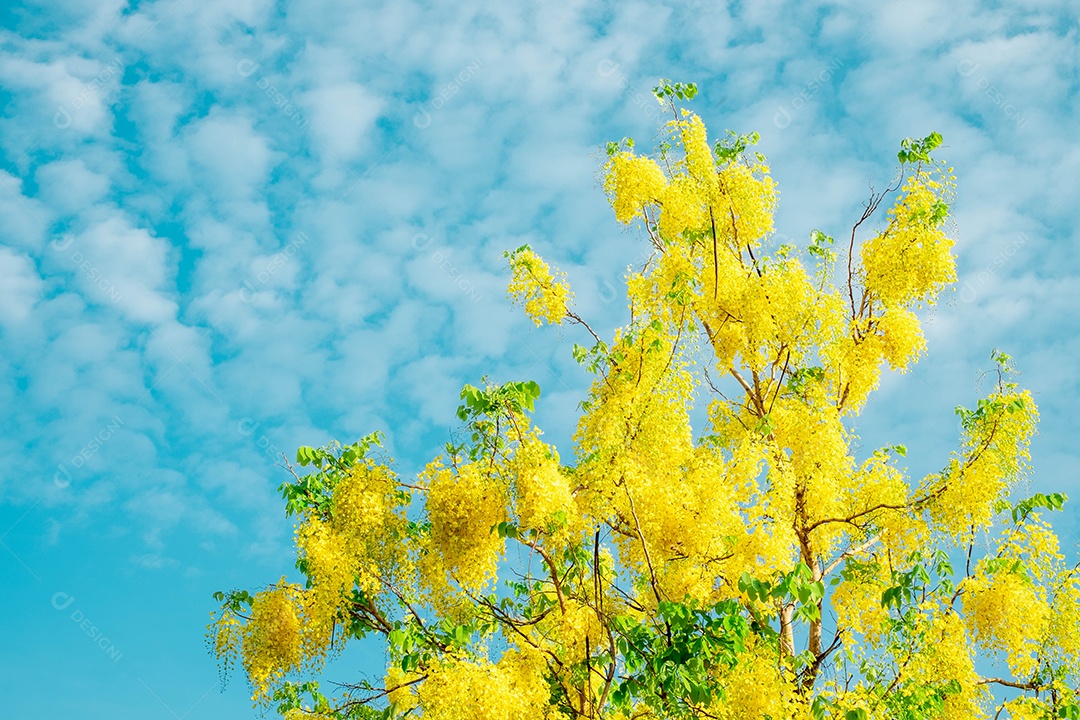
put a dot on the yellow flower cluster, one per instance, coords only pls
(877, 482)
(330, 569)
(569, 631)
(1006, 612)
(996, 448)
(349, 549)
(946, 655)
(750, 195)
(632, 182)
(463, 507)
(902, 340)
(401, 687)
(911, 260)
(757, 316)
(272, 643)
(225, 637)
(298, 714)
(639, 438)
(1064, 620)
(858, 606)
(545, 295)
(757, 688)
(814, 442)
(366, 514)
(699, 158)
(739, 200)
(684, 207)
(512, 689)
(1027, 709)
(543, 495)
(894, 336)
(855, 359)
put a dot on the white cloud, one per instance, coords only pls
(71, 93)
(233, 160)
(126, 267)
(24, 220)
(20, 287)
(69, 186)
(342, 118)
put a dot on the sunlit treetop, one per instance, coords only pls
(757, 566)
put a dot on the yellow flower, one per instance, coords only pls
(545, 295)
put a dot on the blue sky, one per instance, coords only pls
(230, 228)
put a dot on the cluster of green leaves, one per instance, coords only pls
(670, 660)
(309, 699)
(821, 246)
(414, 646)
(986, 408)
(613, 148)
(667, 90)
(803, 377)
(734, 146)
(594, 358)
(301, 696)
(799, 584)
(484, 410)
(916, 151)
(492, 400)
(1053, 501)
(238, 601)
(315, 490)
(912, 586)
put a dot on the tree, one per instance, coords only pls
(757, 569)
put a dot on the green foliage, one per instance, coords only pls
(918, 151)
(914, 585)
(667, 90)
(797, 585)
(238, 601)
(1053, 501)
(485, 410)
(732, 147)
(614, 148)
(669, 659)
(315, 490)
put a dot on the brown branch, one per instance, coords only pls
(749, 392)
(715, 255)
(644, 545)
(850, 552)
(551, 566)
(576, 318)
(348, 704)
(1011, 683)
